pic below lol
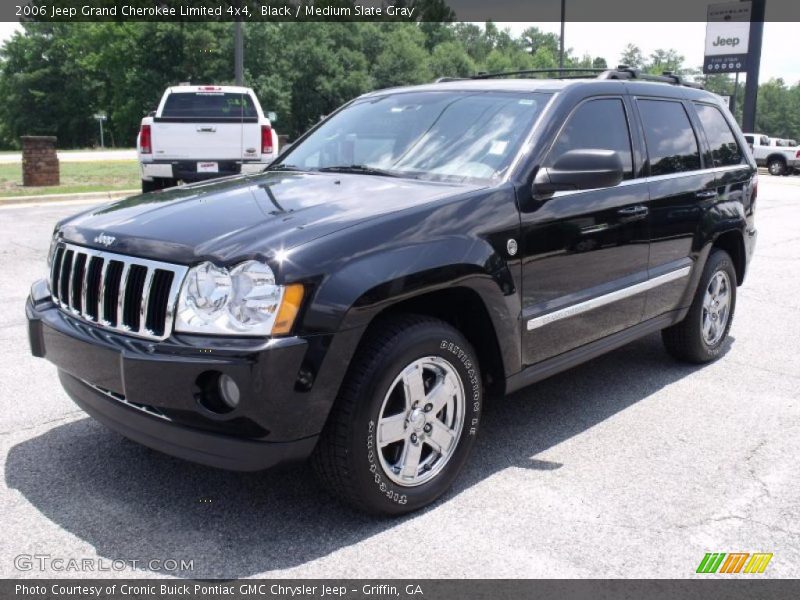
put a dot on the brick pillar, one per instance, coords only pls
(39, 160)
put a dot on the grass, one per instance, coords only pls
(76, 177)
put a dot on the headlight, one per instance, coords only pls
(54, 239)
(244, 300)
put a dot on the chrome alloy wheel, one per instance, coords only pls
(420, 421)
(716, 308)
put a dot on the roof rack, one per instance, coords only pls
(626, 72)
(534, 72)
(621, 72)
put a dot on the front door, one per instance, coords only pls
(585, 253)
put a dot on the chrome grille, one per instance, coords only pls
(130, 295)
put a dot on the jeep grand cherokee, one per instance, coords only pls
(420, 248)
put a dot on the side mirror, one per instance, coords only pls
(272, 116)
(579, 170)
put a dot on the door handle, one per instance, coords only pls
(706, 194)
(633, 211)
(206, 129)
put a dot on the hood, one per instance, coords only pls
(246, 216)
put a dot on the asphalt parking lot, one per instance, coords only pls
(629, 466)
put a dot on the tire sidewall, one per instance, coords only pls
(779, 168)
(379, 492)
(718, 261)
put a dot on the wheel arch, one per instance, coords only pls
(776, 156)
(732, 242)
(463, 308)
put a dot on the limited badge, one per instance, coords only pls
(511, 246)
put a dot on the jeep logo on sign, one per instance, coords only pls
(721, 41)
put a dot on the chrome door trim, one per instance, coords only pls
(606, 299)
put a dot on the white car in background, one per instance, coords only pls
(204, 132)
(779, 160)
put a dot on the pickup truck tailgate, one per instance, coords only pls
(206, 140)
(207, 123)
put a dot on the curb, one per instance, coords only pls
(112, 195)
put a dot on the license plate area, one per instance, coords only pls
(208, 167)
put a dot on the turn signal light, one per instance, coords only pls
(287, 313)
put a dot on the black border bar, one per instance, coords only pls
(532, 11)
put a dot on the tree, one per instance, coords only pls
(451, 60)
(632, 57)
(534, 39)
(403, 60)
(665, 60)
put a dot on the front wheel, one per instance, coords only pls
(406, 418)
(700, 337)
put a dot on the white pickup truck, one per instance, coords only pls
(203, 132)
(779, 160)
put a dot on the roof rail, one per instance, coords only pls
(534, 72)
(626, 72)
(621, 72)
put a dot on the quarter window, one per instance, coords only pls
(724, 149)
(598, 124)
(671, 142)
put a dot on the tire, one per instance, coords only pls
(700, 338)
(151, 186)
(776, 167)
(352, 458)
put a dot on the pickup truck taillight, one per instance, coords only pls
(145, 141)
(266, 139)
(797, 155)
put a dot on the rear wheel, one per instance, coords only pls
(152, 185)
(406, 418)
(776, 167)
(700, 337)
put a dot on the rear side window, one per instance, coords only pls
(208, 105)
(671, 142)
(724, 149)
(748, 139)
(598, 124)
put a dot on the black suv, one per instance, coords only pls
(420, 248)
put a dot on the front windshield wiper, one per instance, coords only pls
(359, 169)
(283, 167)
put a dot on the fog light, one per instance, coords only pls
(228, 390)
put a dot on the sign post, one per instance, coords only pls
(101, 116)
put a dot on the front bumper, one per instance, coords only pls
(149, 391)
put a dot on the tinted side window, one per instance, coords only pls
(671, 143)
(724, 149)
(598, 124)
(748, 139)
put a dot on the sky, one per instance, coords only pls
(778, 56)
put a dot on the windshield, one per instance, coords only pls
(451, 136)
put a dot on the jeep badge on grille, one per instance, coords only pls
(104, 239)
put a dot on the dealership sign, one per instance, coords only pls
(727, 37)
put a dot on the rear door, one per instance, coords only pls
(585, 252)
(682, 186)
(207, 124)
